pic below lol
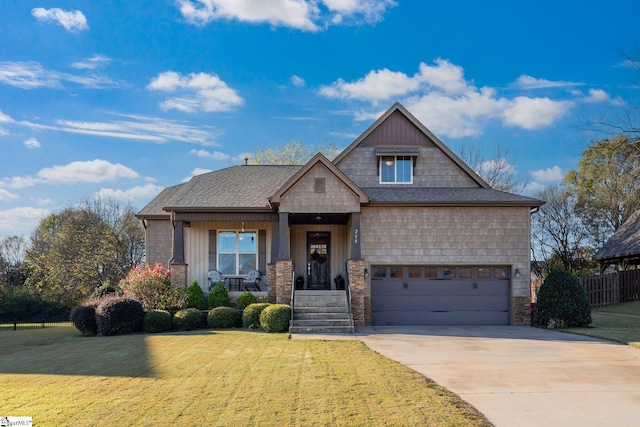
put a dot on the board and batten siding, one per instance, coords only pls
(197, 247)
(449, 236)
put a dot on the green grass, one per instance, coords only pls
(214, 378)
(619, 322)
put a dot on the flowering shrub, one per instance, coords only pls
(152, 287)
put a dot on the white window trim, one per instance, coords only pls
(237, 251)
(395, 165)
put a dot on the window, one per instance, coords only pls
(237, 252)
(449, 273)
(415, 272)
(396, 170)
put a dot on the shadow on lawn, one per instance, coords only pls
(62, 351)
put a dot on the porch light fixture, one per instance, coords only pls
(389, 162)
(517, 273)
(366, 273)
(318, 217)
(242, 227)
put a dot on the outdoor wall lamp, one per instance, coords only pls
(366, 273)
(517, 273)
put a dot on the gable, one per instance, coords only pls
(319, 187)
(398, 133)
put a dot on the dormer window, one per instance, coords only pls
(396, 169)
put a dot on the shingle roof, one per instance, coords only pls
(154, 208)
(238, 187)
(448, 196)
(624, 243)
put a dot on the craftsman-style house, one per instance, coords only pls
(418, 236)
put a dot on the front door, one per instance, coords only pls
(318, 260)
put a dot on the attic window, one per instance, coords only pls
(396, 169)
(318, 185)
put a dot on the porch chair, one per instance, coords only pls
(252, 280)
(214, 277)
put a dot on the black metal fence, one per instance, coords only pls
(16, 325)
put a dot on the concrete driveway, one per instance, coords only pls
(522, 376)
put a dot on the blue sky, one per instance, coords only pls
(121, 99)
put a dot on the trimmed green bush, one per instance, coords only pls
(118, 315)
(276, 318)
(223, 318)
(195, 296)
(562, 302)
(157, 321)
(219, 296)
(83, 317)
(251, 314)
(245, 299)
(187, 319)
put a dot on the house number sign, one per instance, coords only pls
(355, 235)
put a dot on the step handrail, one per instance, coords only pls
(293, 294)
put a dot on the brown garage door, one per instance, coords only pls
(424, 295)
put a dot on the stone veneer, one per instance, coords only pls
(284, 270)
(355, 269)
(271, 280)
(179, 275)
(521, 311)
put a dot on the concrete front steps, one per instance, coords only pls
(321, 312)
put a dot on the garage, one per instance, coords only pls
(435, 295)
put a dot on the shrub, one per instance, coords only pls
(118, 315)
(187, 319)
(223, 317)
(195, 296)
(219, 296)
(23, 304)
(157, 321)
(152, 287)
(104, 290)
(562, 302)
(251, 314)
(83, 317)
(245, 299)
(275, 318)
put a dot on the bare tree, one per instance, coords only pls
(558, 237)
(497, 170)
(292, 153)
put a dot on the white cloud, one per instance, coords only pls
(18, 182)
(72, 21)
(199, 92)
(196, 171)
(534, 187)
(496, 165)
(93, 171)
(92, 63)
(297, 80)
(303, 15)
(20, 221)
(534, 113)
(141, 128)
(597, 95)
(442, 98)
(548, 175)
(5, 195)
(4, 118)
(216, 155)
(45, 202)
(32, 75)
(144, 192)
(529, 82)
(32, 143)
(3, 132)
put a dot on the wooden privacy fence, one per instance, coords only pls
(613, 288)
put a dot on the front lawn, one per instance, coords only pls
(214, 378)
(619, 322)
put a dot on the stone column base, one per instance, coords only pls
(355, 270)
(271, 282)
(179, 275)
(521, 311)
(284, 282)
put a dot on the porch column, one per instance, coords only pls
(178, 242)
(356, 252)
(275, 241)
(359, 306)
(283, 250)
(284, 281)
